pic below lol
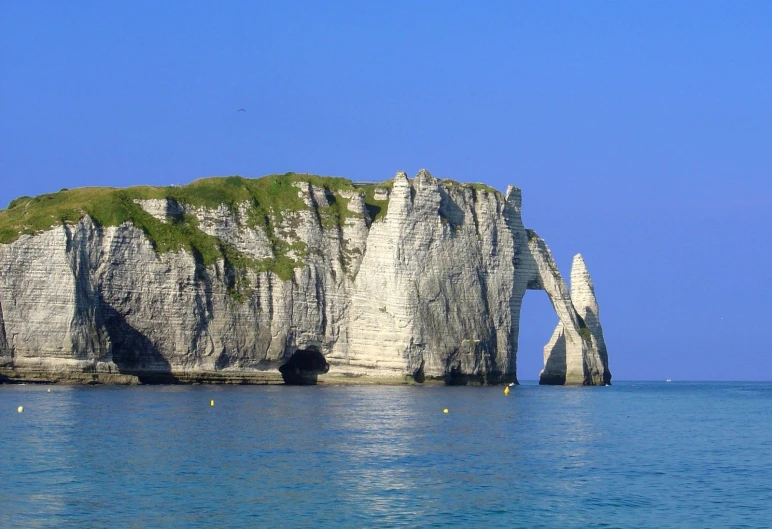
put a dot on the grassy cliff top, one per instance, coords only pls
(267, 196)
(113, 206)
(267, 201)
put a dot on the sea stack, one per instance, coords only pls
(576, 353)
(284, 278)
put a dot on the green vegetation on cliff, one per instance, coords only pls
(477, 186)
(267, 200)
(376, 208)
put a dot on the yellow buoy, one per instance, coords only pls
(20, 409)
(445, 410)
(211, 403)
(506, 390)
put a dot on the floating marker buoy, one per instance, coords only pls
(49, 390)
(445, 410)
(20, 409)
(211, 403)
(506, 390)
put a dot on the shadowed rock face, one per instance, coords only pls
(5, 351)
(431, 290)
(304, 366)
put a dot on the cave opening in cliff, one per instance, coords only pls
(455, 378)
(304, 366)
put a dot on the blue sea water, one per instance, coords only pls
(629, 455)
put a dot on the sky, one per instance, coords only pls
(639, 132)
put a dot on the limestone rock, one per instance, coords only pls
(162, 209)
(5, 352)
(233, 228)
(381, 194)
(576, 352)
(431, 290)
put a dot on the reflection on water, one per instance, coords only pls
(44, 467)
(635, 455)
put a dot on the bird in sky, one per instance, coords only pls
(241, 110)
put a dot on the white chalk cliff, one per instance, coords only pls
(431, 289)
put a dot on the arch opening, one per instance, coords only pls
(303, 367)
(537, 322)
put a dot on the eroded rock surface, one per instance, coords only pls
(576, 352)
(431, 290)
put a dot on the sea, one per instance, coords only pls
(634, 454)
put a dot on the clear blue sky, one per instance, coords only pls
(640, 133)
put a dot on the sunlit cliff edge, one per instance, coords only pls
(293, 278)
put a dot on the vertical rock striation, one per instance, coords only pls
(419, 280)
(5, 352)
(576, 352)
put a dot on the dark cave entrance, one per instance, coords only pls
(455, 378)
(304, 366)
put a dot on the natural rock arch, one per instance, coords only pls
(576, 353)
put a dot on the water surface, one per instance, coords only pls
(629, 455)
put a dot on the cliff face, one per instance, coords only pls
(420, 281)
